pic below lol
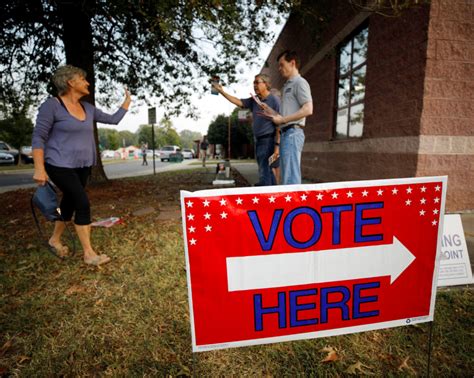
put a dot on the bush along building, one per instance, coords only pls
(393, 95)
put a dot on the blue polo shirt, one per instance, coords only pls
(262, 125)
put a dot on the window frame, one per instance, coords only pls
(349, 74)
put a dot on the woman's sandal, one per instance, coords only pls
(61, 252)
(98, 260)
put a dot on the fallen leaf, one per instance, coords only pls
(5, 347)
(404, 366)
(75, 289)
(30, 246)
(22, 359)
(358, 368)
(331, 354)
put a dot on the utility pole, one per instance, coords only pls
(152, 121)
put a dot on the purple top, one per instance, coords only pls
(67, 141)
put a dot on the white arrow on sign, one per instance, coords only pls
(301, 268)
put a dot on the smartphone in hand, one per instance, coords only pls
(214, 80)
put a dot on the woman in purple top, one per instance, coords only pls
(64, 150)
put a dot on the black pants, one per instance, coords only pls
(72, 182)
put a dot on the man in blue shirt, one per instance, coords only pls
(265, 137)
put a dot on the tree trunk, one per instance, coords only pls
(77, 39)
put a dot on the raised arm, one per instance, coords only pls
(232, 99)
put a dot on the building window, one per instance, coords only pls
(352, 56)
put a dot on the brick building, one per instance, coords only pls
(393, 96)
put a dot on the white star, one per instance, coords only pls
(334, 195)
(319, 196)
(303, 197)
(349, 194)
(193, 241)
(394, 191)
(224, 215)
(423, 189)
(437, 188)
(207, 216)
(189, 204)
(271, 199)
(408, 202)
(206, 203)
(190, 217)
(223, 202)
(422, 201)
(255, 200)
(434, 223)
(422, 212)
(435, 211)
(288, 198)
(379, 192)
(192, 229)
(239, 201)
(409, 190)
(436, 200)
(208, 228)
(364, 193)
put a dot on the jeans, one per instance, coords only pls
(264, 148)
(291, 147)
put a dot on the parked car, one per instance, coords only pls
(149, 154)
(5, 147)
(166, 151)
(110, 154)
(26, 154)
(6, 159)
(188, 153)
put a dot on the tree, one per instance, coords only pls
(16, 129)
(159, 47)
(144, 135)
(217, 133)
(127, 137)
(187, 138)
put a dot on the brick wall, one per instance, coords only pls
(448, 110)
(404, 112)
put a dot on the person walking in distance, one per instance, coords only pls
(203, 150)
(296, 105)
(144, 148)
(264, 132)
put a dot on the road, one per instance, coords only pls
(22, 178)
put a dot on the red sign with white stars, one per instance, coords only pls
(279, 263)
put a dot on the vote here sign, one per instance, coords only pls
(270, 264)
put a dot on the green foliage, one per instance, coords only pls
(128, 137)
(187, 138)
(161, 47)
(16, 130)
(144, 135)
(164, 134)
(218, 130)
(240, 132)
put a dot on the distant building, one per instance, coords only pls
(393, 96)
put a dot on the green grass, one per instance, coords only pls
(131, 318)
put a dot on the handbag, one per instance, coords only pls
(45, 199)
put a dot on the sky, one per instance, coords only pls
(209, 105)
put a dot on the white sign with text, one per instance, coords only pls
(455, 267)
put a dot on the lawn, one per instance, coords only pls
(131, 317)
